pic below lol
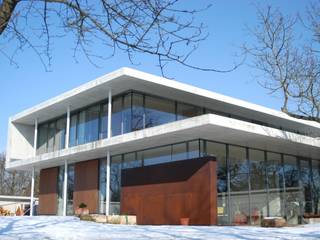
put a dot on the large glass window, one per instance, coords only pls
(305, 175)
(115, 184)
(51, 136)
(187, 111)
(92, 124)
(138, 120)
(158, 111)
(316, 186)
(219, 152)
(116, 124)
(131, 160)
(73, 130)
(126, 113)
(60, 181)
(258, 192)
(102, 185)
(179, 152)
(292, 195)
(157, 155)
(239, 189)
(275, 184)
(104, 121)
(42, 138)
(70, 189)
(60, 136)
(193, 149)
(81, 128)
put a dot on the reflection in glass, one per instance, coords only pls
(305, 175)
(70, 189)
(275, 184)
(187, 111)
(239, 189)
(60, 181)
(219, 152)
(258, 200)
(292, 195)
(157, 155)
(115, 184)
(316, 186)
(137, 120)
(102, 185)
(179, 152)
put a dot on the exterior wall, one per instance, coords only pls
(164, 193)
(48, 191)
(86, 186)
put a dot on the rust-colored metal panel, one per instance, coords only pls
(48, 191)
(86, 185)
(164, 193)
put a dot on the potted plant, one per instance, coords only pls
(82, 209)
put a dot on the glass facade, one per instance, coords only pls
(251, 183)
(131, 111)
(51, 135)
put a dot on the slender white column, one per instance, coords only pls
(108, 154)
(35, 139)
(65, 185)
(67, 128)
(108, 184)
(32, 192)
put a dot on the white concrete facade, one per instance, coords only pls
(21, 137)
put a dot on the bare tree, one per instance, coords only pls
(15, 182)
(287, 62)
(160, 28)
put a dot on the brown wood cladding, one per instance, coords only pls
(164, 193)
(86, 185)
(48, 191)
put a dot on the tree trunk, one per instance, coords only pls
(6, 10)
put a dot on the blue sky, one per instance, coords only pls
(30, 84)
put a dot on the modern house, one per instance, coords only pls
(134, 143)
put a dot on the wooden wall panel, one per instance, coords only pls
(86, 185)
(48, 191)
(164, 193)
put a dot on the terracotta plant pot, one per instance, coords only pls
(184, 221)
(82, 211)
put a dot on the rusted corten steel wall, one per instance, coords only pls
(86, 185)
(48, 191)
(164, 193)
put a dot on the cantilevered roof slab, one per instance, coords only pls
(208, 126)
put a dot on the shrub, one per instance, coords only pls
(82, 205)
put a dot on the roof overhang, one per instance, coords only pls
(126, 79)
(208, 126)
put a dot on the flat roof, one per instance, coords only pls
(125, 79)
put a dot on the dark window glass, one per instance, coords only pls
(104, 121)
(60, 181)
(60, 136)
(179, 152)
(137, 112)
(73, 130)
(159, 111)
(102, 185)
(81, 128)
(219, 152)
(193, 149)
(115, 184)
(126, 113)
(186, 111)
(70, 189)
(292, 196)
(316, 186)
(157, 155)
(275, 182)
(116, 116)
(92, 124)
(239, 189)
(258, 186)
(305, 174)
(42, 138)
(51, 134)
(130, 160)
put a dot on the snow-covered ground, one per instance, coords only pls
(72, 228)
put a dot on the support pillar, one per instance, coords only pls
(108, 154)
(35, 139)
(32, 193)
(65, 185)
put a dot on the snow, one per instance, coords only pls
(52, 227)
